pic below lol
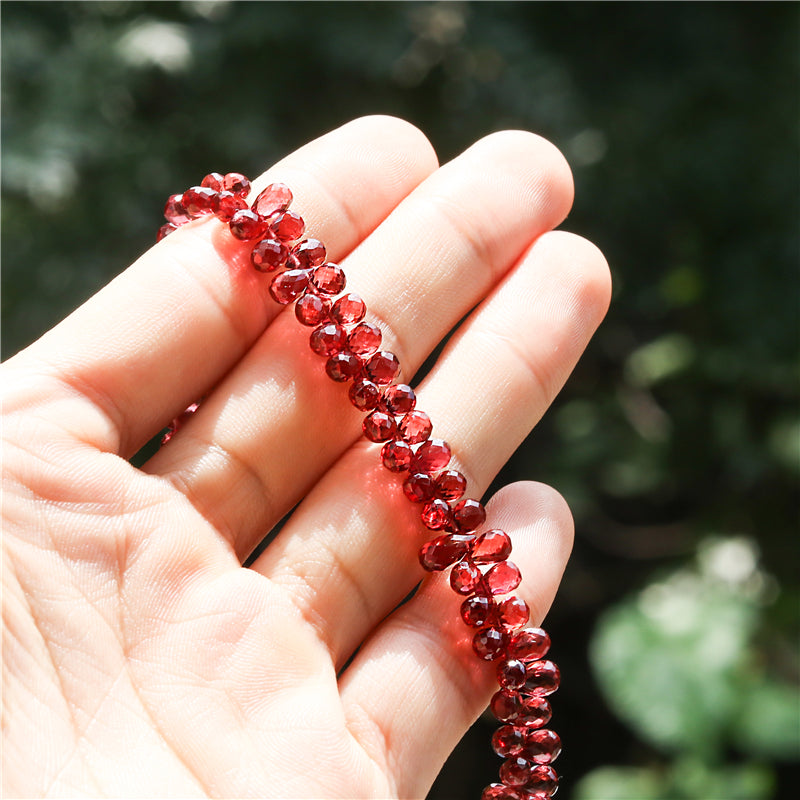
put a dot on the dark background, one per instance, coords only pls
(676, 441)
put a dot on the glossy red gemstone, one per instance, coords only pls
(309, 253)
(507, 706)
(328, 278)
(415, 427)
(288, 227)
(213, 181)
(229, 203)
(450, 484)
(508, 740)
(465, 577)
(276, 197)
(543, 678)
(328, 339)
(364, 394)
(419, 487)
(542, 779)
(535, 711)
(199, 201)
(469, 514)
(529, 645)
(476, 611)
(511, 674)
(513, 613)
(436, 514)
(349, 309)
(440, 553)
(491, 546)
(542, 746)
(503, 577)
(379, 426)
(364, 339)
(288, 286)
(489, 643)
(165, 230)
(311, 309)
(246, 225)
(396, 455)
(343, 367)
(516, 771)
(269, 255)
(174, 211)
(400, 399)
(383, 367)
(237, 183)
(432, 456)
(497, 791)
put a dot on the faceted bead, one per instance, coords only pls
(436, 514)
(419, 487)
(364, 394)
(213, 181)
(476, 610)
(229, 203)
(516, 771)
(400, 399)
(309, 253)
(497, 791)
(492, 546)
(396, 455)
(535, 711)
(415, 427)
(511, 674)
(432, 455)
(237, 183)
(311, 309)
(343, 367)
(529, 645)
(328, 339)
(508, 740)
(450, 484)
(174, 211)
(465, 577)
(542, 746)
(542, 779)
(440, 553)
(165, 230)
(349, 309)
(513, 613)
(268, 255)
(382, 367)
(364, 339)
(470, 514)
(247, 225)
(288, 286)
(507, 706)
(276, 197)
(199, 200)
(379, 426)
(503, 577)
(288, 227)
(489, 643)
(543, 678)
(328, 278)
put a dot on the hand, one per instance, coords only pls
(140, 658)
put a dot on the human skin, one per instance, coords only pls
(139, 657)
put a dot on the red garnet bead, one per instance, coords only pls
(516, 771)
(343, 367)
(415, 427)
(396, 455)
(503, 578)
(200, 200)
(511, 674)
(509, 740)
(364, 339)
(465, 577)
(288, 227)
(432, 455)
(165, 230)
(311, 309)
(513, 613)
(450, 484)
(497, 791)
(542, 746)
(529, 645)
(542, 779)
(383, 367)
(174, 211)
(328, 339)
(535, 712)
(507, 706)
(476, 610)
(349, 309)
(237, 183)
(213, 181)
(328, 278)
(268, 255)
(379, 426)
(489, 643)
(246, 225)
(288, 286)
(419, 487)
(437, 514)
(440, 553)
(492, 546)
(276, 197)
(400, 399)
(309, 253)
(470, 514)
(364, 394)
(543, 678)
(229, 204)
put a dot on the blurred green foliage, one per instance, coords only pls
(682, 421)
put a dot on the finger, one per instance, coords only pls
(168, 328)
(433, 259)
(416, 686)
(349, 553)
